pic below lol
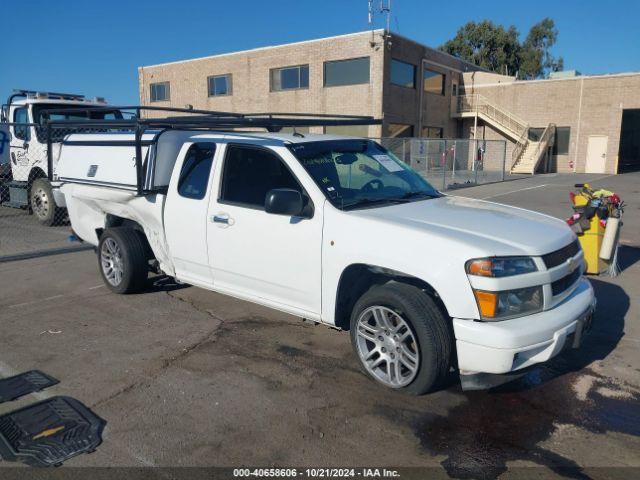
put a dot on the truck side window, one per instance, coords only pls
(20, 115)
(250, 172)
(194, 175)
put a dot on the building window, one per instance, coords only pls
(346, 72)
(454, 89)
(219, 85)
(250, 172)
(535, 133)
(431, 132)
(400, 130)
(403, 74)
(160, 91)
(561, 144)
(348, 130)
(433, 82)
(194, 175)
(290, 78)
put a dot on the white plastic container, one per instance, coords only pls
(610, 238)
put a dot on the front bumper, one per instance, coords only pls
(58, 196)
(511, 345)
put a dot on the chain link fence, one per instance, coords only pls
(31, 219)
(453, 163)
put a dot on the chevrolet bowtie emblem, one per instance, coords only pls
(48, 432)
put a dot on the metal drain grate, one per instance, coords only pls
(49, 432)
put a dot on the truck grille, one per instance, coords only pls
(565, 282)
(558, 257)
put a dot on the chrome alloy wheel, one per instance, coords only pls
(40, 203)
(111, 261)
(387, 346)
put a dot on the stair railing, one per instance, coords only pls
(520, 147)
(546, 140)
(478, 103)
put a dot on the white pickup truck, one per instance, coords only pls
(339, 231)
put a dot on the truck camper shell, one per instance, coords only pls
(151, 144)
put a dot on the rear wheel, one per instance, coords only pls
(42, 203)
(123, 259)
(401, 337)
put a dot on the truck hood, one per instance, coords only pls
(493, 228)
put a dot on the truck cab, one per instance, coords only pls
(25, 177)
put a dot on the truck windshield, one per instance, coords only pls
(360, 174)
(42, 112)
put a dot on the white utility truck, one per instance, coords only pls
(336, 230)
(24, 155)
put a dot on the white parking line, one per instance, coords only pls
(35, 301)
(54, 297)
(541, 186)
(514, 191)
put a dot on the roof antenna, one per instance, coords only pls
(370, 17)
(385, 9)
(297, 133)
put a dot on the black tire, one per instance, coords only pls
(134, 259)
(42, 203)
(428, 323)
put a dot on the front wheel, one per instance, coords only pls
(123, 259)
(42, 203)
(402, 338)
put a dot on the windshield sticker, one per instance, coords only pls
(388, 163)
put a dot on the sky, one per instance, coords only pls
(95, 46)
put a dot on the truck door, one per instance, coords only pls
(258, 255)
(19, 151)
(185, 216)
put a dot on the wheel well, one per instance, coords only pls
(356, 279)
(36, 173)
(116, 221)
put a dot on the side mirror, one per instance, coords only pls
(284, 201)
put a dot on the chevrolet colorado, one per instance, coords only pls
(339, 231)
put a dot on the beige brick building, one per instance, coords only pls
(588, 113)
(579, 123)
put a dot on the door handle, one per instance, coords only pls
(223, 220)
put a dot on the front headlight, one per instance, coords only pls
(500, 266)
(506, 304)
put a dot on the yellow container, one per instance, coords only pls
(580, 200)
(591, 241)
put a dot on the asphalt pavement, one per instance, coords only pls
(187, 377)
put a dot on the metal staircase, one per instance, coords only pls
(527, 154)
(534, 152)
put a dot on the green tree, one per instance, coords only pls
(535, 57)
(500, 50)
